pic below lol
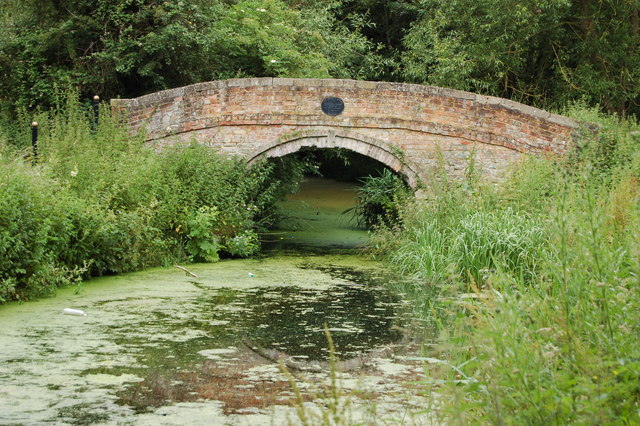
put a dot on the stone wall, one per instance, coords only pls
(408, 127)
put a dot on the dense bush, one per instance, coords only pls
(544, 53)
(28, 224)
(101, 202)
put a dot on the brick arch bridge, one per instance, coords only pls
(410, 128)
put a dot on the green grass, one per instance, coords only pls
(537, 283)
(377, 199)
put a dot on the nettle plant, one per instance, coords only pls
(209, 232)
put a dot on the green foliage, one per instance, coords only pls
(543, 53)
(539, 52)
(203, 243)
(101, 47)
(384, 23)
(208, 234)
(378, 199)
(563, 349)
(440, 245)
(101, 202)
(129, 48)
(243, 244)
(268, 38)
(537, 286)
(25, 231)
(616, 147)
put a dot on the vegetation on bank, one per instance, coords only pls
(378, 198)
(537, 284)
(101, 202)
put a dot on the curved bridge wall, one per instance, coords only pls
(408, 127)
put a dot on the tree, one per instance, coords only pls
(122, 47)
(269, 38)
(132, 47)
(543, 52)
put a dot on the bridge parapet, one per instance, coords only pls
(417, 124)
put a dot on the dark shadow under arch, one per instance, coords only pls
(380, 151)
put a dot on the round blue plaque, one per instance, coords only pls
(332, 106)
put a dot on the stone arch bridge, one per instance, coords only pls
(410, 128)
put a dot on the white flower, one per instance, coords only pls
(273, 61)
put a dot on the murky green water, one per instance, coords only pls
(317, 222)
(161, 347)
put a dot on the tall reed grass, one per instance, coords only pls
(537, 282)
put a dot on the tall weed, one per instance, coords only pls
(33, 232)
(378, 198)
(549, 331)
(465, 244)
(563, 350)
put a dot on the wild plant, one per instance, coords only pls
(333, 405)
(549, 331)
(100, 201)
(378, 200)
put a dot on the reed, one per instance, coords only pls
(537, 285)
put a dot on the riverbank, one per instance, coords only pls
(536, 284)
(101, 202)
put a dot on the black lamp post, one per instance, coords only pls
(34, 140)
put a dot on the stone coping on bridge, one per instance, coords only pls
(168, 95)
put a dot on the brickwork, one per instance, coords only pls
(408, 127)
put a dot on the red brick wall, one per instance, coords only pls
(408, 127)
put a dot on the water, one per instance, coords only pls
(317, 220)
(162, 347)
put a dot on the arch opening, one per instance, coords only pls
(384, 153)
(326, 210)
(340, 164)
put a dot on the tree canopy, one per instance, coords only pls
(542, 52)
(132, 47)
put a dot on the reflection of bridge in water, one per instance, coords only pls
(410, 128)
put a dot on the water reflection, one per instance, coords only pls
(157, 337)
(188, 352)
(359, 313)
(314, 220)
(291, 319)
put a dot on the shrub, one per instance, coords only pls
(379, 198)
(32, 228)
(101, 202)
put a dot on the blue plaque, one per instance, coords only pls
(332, 106)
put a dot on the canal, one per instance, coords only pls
(241, 342)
